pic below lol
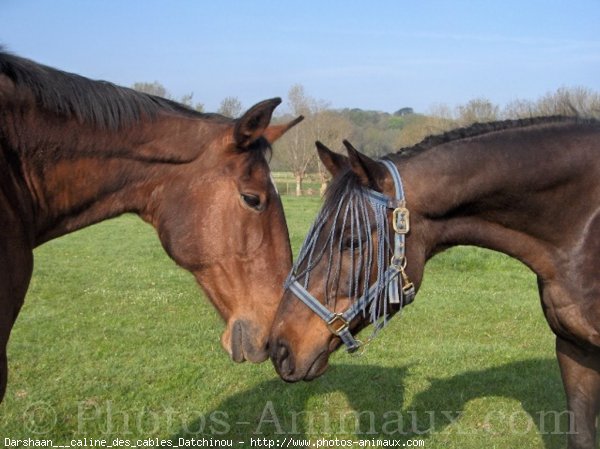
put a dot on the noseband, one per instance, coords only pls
(387, 282)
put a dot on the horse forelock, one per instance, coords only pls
(341, 184)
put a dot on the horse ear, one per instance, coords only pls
(252, 125)
(333, 162)
(274, 132)
(370, 172)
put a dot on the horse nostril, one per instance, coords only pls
(283, 358)
(282, 352)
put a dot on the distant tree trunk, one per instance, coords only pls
(298, 185)
(324, 178)
(323, 188)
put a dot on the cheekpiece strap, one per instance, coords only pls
(396, 177)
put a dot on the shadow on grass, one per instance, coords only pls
(367, 402)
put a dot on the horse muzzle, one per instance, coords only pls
(244, 342)
(292, 368)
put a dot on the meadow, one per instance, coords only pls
(116, 342)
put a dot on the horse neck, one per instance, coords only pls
(75, 176)
(515, 191)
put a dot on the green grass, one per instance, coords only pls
(115, 341)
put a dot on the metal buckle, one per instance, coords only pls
(400, 265)
(401, 220)
(407, 285)
(337, 324)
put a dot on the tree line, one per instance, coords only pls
(378, 133)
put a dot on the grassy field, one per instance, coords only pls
(115, 342)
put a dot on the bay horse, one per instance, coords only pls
(528, 188)
(74, 152)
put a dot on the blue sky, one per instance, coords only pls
(373, 54)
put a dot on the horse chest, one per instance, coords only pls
(569, 316)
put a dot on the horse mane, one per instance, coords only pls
(479, 129)
(348, 180)
(98, 103)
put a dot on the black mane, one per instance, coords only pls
(98, 103)
(479, 129)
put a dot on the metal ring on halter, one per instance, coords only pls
(398, 262)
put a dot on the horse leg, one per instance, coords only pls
(15, 274)
(9, 312)
(8, 319)
(580, 370)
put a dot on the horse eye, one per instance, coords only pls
(351, 243)
(252, 201)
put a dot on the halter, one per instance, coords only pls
(387, 281)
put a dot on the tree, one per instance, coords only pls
(157, 89)
(579, 101)
(297, 147)
(331, 128)
(569, 101)
(517, 109)
(230, 107)
(421, 126)
(154, 88)
(404, 111)
(477, 110)
(187, 101)
(377, 133)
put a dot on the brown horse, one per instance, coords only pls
(74, 152)
(530, 189)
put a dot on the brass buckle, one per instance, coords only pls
(337, 324)
(401, 220)
(407, 285)
(400, 265)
